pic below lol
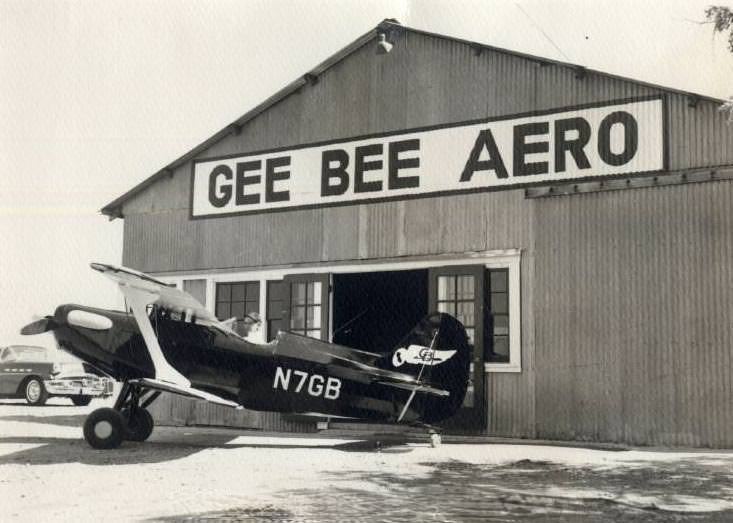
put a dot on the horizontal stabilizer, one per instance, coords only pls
(189, 392)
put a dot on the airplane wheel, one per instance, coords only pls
(35, 392)
(435, 440)
(104, 428)
(139, 425)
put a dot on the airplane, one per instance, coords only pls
(171, 343)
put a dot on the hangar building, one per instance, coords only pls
(578, 223)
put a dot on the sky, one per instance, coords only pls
(96, 96)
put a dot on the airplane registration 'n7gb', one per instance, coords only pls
(172, 343)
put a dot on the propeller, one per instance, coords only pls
(39, 326)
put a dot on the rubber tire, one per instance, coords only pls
(111, 416)
(43, 396)
(81, 401)
(140, 426)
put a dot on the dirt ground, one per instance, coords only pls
(48, 473)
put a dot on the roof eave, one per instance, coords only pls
(114, 208)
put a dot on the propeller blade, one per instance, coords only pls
(39, 326)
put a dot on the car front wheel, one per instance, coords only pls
(81, 401)
(35, 392)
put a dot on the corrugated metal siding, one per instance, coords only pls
(632, 316)
(608, 267)
(179, 411)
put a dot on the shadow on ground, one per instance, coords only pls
(166, 444)
(525, 490)
(22, 403)
(75, 420)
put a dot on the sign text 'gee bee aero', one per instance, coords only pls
(617, 138)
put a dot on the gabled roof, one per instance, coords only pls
(113, 209)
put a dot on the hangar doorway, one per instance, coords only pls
(373, 311)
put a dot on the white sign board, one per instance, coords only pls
(618, 138)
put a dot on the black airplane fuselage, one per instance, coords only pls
(294, 374)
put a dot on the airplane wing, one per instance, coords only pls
(167, 295)
(141, 290)
(189, 392)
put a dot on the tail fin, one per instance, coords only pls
(445, 367)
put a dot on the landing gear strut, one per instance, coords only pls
(106, 428)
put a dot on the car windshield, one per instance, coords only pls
(71, 367)
(23, 353)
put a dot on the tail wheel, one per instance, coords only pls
(104, 428)
(139, 423)
(435, 440)
(35, 392)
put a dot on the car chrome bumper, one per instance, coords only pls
(74, 388)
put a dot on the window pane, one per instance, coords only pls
(447, 307)
(500, 353)
(314, 334)
(297, 318)
(314, 317)
(274, 309)
(499, 280)
(276, 290)
(222, 311)
(500, 303)
(253, 291)
(252, 306)
(464, 313)
(446, 287)
(197, 289)
(314, 292)
(237, 310)
(501, 324)
(223, 292)
(465, 288)
(238, 292)
(298, 294)
(273, 327)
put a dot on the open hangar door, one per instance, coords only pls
(373, 311)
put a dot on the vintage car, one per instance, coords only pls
(32, 373)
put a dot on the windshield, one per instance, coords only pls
(71, 367)
(22, 353)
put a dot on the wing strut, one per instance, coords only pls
(412, 394)
(139, 300)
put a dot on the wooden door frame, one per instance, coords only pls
(325, 279)
(468, 418)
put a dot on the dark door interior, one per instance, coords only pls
(373, 311)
